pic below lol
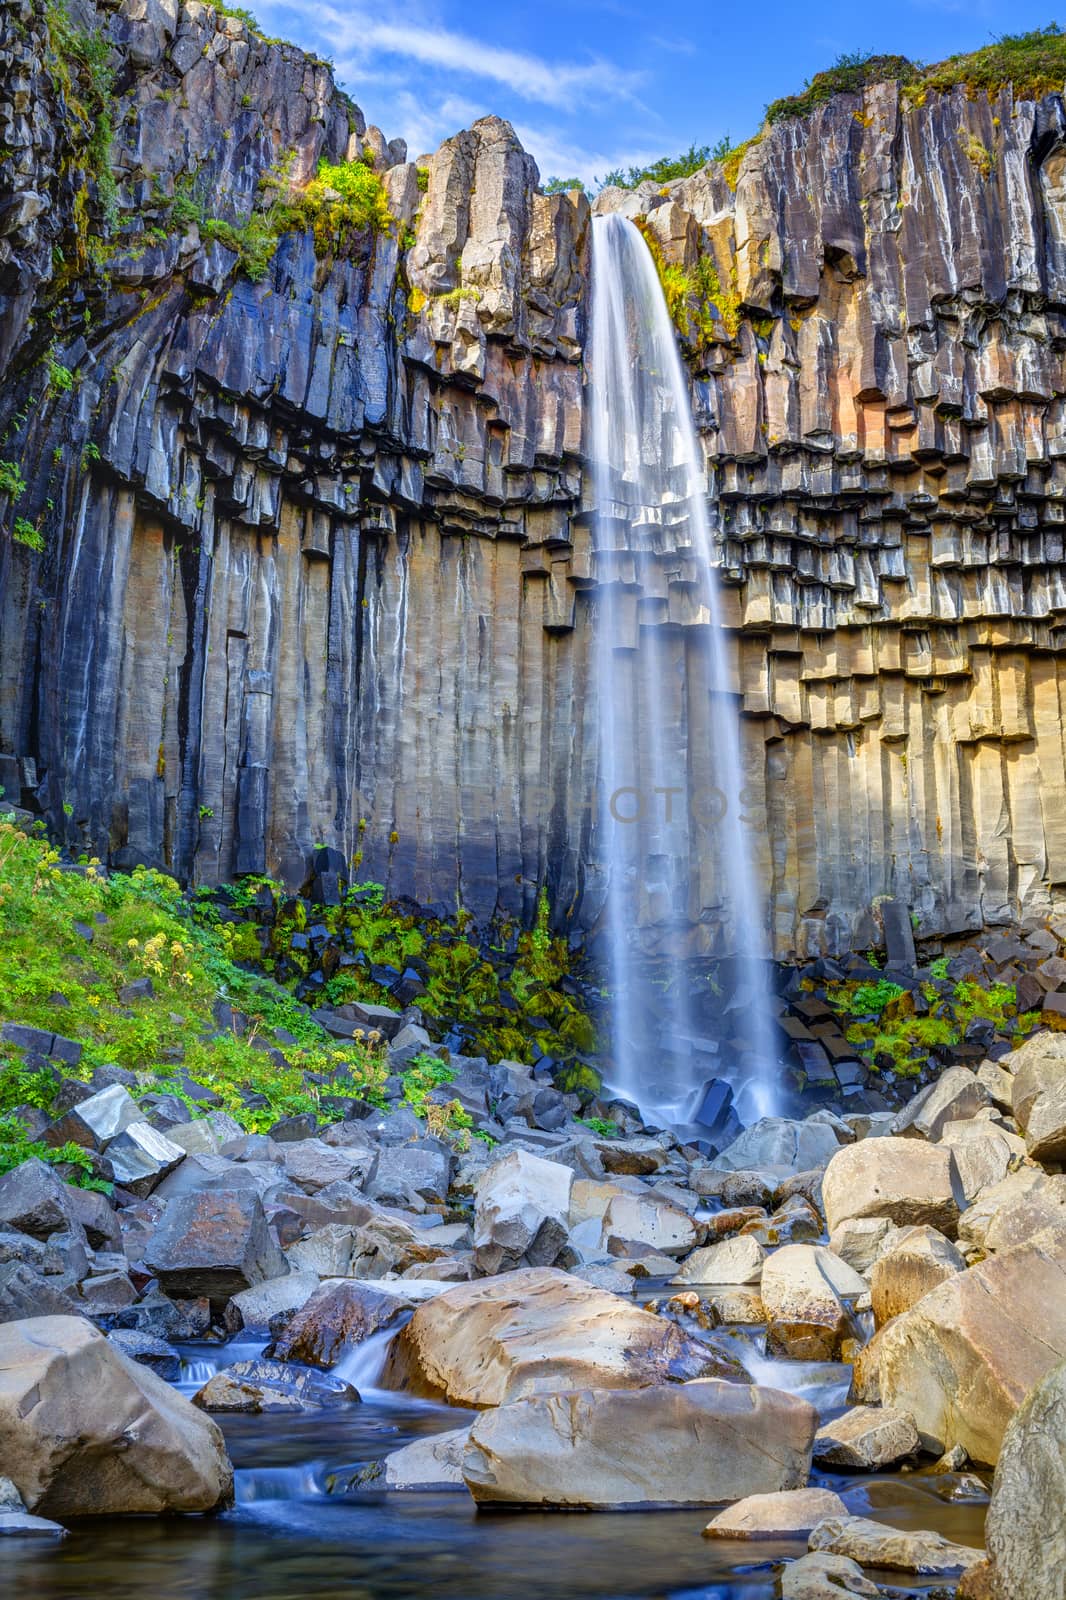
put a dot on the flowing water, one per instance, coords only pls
(670, 814)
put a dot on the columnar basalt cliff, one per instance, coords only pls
(316, 560)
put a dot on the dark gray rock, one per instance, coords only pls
(214, 1243)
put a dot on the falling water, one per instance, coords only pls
(653, 553)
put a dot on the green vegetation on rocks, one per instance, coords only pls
(899, 1029)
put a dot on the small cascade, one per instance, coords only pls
(364, 1364)
(201, 1362)
(671, 835)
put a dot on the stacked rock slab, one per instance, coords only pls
(326, 575)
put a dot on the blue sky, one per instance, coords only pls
(594, 84)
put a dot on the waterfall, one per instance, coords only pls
(671, 835)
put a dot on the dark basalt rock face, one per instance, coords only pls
(316, 563)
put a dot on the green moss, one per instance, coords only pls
(80, 63)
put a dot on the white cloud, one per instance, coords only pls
(357, 38)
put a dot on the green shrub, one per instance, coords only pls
(12, 483)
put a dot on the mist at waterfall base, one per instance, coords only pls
(669, 725)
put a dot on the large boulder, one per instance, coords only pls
(432, 1463)
(1038, 1095)
(781, 1145)
(775, 1516)
(537, 1331)
(214, 1243)
(648, 1219)
(674, 1444)
(820, 1576)
(734, 1261)
(905, 1180)
(917, 1260)
(1026, 1527)
(337, 1317)
(85, 1431)
(866, 1437)
(522, 1212)
(955, 1096)
(801, 1289)
(962, 1360)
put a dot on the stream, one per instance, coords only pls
(288, 1538)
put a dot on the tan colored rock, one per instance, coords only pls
(860, 1241)
(865, 1387)
(1038, 1094)
(976, 1220)
(432, 1463)
(955, 1096)
(820, 1576)
(734, 1261)
(983, 1155)
(873, 1544)
(537, 1331)
(1026, 1525)
(801, 1290)
(918, 1260)
(522, 1212)
(88, 1432)
(676, 1444)
(775, 1516)
(1000, 1084)
(868, 1438)
(739, 1304)
(1038, 1215)
(962, 1360)
(589, 1199)
(648, 1220)
(905, 1180)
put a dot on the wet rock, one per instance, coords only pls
(433, 1463)
(917, 1260)
(522, 1212)
(87, 1432)
(20, 1525)
(681, 1444)
(962, 1360)
(825, 1577)
(214, 1244)
(336, 1318)
(801, 1290)
(867, 1438)
(141, 1157)
(872, 1544)
(94, 1122)
(1026, 1528)
(775, 1516)
(906, 1180)
(535, 1331)
(255, 1309)
(155, 1354)
(734, 1261)
(251, 1387)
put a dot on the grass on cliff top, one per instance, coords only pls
(1035, 63)
(52, 976)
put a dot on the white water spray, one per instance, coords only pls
(668, 717)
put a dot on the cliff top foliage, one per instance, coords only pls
(1035, 63)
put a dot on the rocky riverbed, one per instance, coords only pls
(820, 1349)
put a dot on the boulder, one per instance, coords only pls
(868, 1438)
(1039, 1213)
(781, 1145)
(94, 1122)
(983, 1154)
(251, 1387)
(860, 1241)
(421, 1168)
(919, 1259)
(24, 1292)
(674, 1444)
(873, 1544)
(976, 1220)
(337, 1317)
(34, 1200)
(433, 1463)
(314, 1165)
(88, 1432)
(775, 1516)
(522, 1212)
(141, 1157)
(20, 1525)
(536, 1331)
(254, 1309)
(205, 1135)
(801, 1291)
(214, 1244)
(1038, 1094)
(734, 1261)
(955, 1096)
(820, 1576)
(905, 1180)
(962, 1360)
(155, 1354)
(647, 1219)
(1026, 1526)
